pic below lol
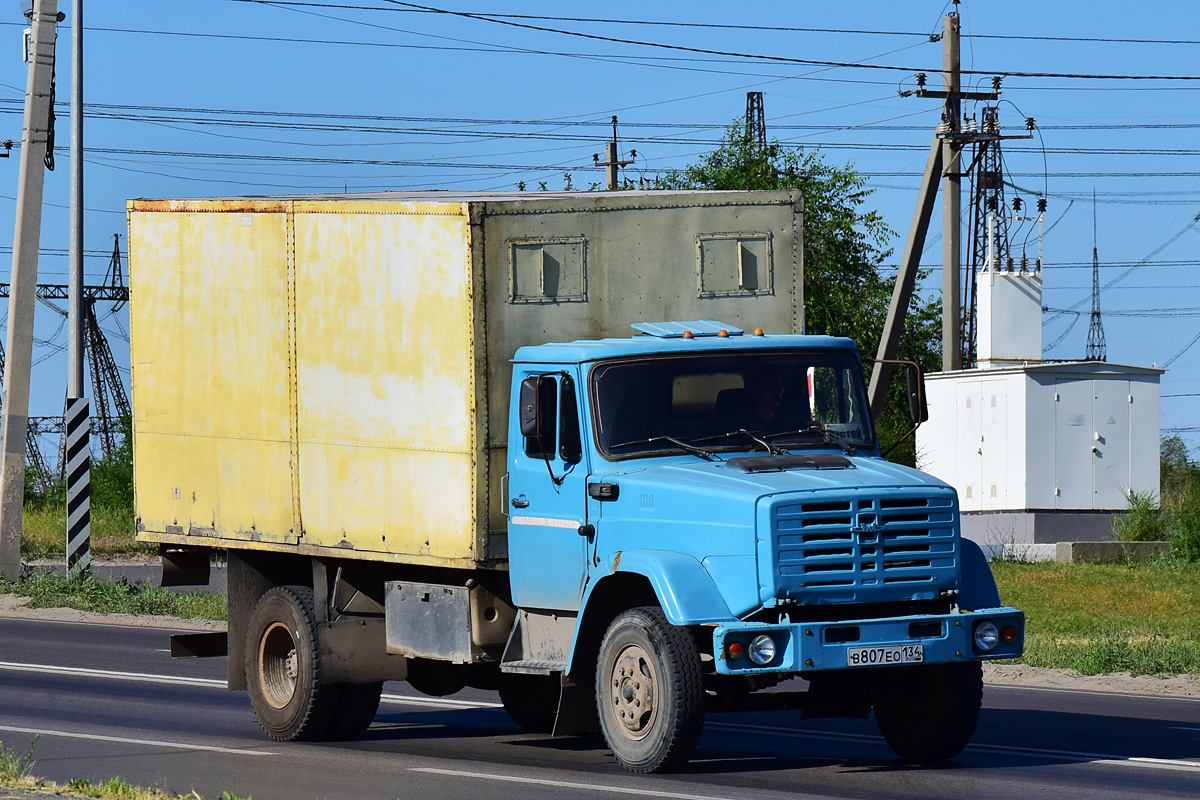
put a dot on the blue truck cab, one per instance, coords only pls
(697, 514)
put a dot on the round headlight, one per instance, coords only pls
(986, 636)
(762, 650)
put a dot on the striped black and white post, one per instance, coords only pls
(79, 507)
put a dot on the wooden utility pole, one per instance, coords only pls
(14, 418)
(611, 163)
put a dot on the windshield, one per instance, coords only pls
(775, 400)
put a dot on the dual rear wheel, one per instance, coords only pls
(283, 674)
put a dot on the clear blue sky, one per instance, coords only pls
(233, 97)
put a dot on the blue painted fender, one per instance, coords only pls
(978, 588)
(687, 593)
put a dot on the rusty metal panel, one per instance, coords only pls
(639, 259)
(210, 387)
(386, 380)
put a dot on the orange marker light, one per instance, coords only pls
(688, 335)
(723, 333)
(759, 332)
(734, 651)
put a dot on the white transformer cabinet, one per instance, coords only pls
(1040, 452)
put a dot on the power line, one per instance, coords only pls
(730, 26)
(768, 58)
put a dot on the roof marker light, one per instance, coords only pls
(759, 332)
(688, 335)
(723, 333)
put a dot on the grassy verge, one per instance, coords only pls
(45, 533)
(1100, 618)
(47, 590)
(16, 773)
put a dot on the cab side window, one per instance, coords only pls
(550, 418)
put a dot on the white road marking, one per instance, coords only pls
(151, 742)
(436, 702)
(143, 677)
(594, 787)
(1029, 752)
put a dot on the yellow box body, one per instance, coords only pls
(312, 375)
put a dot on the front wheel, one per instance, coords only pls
(928, 713)
(649, 691)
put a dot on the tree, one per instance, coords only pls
(845, 246)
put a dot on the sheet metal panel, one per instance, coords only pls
(210, 383)
(385, 381)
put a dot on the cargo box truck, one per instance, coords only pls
(574, 447)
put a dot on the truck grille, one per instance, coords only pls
(861, 549)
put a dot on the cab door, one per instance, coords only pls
(547, 490)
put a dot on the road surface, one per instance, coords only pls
(108, 701)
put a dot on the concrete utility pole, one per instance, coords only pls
(951, 199)
(78, 418)
(14, 419)
(910, 262)
(611, 163)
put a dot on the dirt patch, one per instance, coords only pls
(14, 606)
(1119, 682)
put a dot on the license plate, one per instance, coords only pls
(885, 655)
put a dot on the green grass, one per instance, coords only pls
(16, 772)
(48, 590)
(1100, 618)
(45, 533)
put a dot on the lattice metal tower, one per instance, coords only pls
(987, 199)
(756, 120)
(1097, 350)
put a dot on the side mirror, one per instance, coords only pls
(533, 408)
(918, 408)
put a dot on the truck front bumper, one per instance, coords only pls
(893, 641)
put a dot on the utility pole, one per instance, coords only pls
(14, 418)
(951, 197)
(953, 140)
(910, 262)
(78, 473)
(611, 162)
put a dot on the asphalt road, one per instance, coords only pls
(108, 701)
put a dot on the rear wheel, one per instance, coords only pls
(928, 713)
(283, 667)
(531, 700)
(355, 709)
(649, 691)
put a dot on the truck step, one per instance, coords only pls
(533, 667)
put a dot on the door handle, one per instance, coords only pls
(519, 503)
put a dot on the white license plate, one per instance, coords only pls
(885, 655)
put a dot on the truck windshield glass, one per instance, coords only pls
(730, 402)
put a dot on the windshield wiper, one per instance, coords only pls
(699, 451)
(775, 451)
(848, 446)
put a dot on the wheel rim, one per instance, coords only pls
(633, 689)
(278, 664)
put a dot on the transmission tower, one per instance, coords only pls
(989, 222)
(1096, 348)
(34, 456)
(756, 121)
